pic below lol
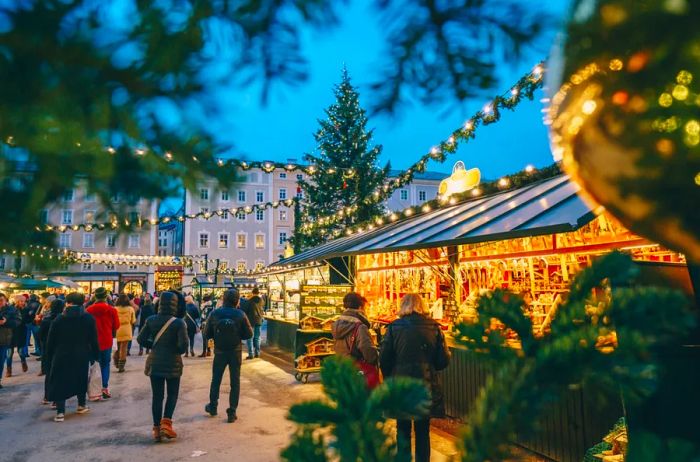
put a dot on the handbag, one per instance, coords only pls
(151, 342)
(196, 327)
(95, 382)
(369, 371)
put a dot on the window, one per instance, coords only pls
(253, 177)
(89, 216)
(90, 197)
(260, 215)
(283, 194)
(241, 196)
(241, 215)
(259, 265)
(259, 241)
(223, 240)
(88, 240)
(67, 217)
(87, 266)
(44, 217)
(111, 240)
(283, 176)
(283, 215)
(422, 195)
(223, 265)
(404, 194)
(133, 217)
(300, 194)
(203, 266)
(242, 266)
(2, 262)
(300, 176)
(242, 240)
(162, 238)
(282, 237)
(224, 215)
(204, 194)
(259, 196)
(109, 266)
(203, 240)
(68, 195)
(133, 267)
(134, 241)
(224, 196)
(204, 209)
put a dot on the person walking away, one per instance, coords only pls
(166, 337)
(57, 307)
(192, 316)
(107, 322)
(71, 346)
(253, 309)
(28, 318)
(414, 346)
(228, 326)
(20, 340)
(125, 332)
(9, 319)
(207, 308)
(147, 310)
(351, 331)
(136, 305)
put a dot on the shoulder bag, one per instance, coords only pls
(369, 371)
(152, 341)
(442, 353)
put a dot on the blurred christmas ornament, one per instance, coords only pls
(461, 180)
(625, 121)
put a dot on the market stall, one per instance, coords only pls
(531, 240)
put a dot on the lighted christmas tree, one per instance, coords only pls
(348, 172)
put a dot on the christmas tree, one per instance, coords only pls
(348, 173)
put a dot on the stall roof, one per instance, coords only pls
(544, 207)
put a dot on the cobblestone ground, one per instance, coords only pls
(119, 429)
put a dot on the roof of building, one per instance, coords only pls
(545, 207)
(434, 176)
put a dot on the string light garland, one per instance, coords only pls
(517, 180)
(524, 88)
(116, 223)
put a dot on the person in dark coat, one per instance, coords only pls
(164, 362)
(191, 318)
(228, 326)
(354, 323)
(414, 346)
(28, 318)
(147, 310)
(55, 309)
(20, 342)
(253, 308)
(71, 346)
(9, 319)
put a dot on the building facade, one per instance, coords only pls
(77, 206)
(252, 241)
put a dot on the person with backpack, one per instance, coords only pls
(166, 336)
(228, 326)
(253, 309)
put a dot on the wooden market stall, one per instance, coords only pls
(532, 240)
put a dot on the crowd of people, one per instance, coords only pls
(74, 338)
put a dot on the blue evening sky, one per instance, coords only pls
(284, 127)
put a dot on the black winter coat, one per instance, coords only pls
(244, 330)
(71, 345)
(193, 312)
(44, 329)
(253, 308)
(145, 312)
(165, 359)
(409, 349)
(19, 333)
(12, 320)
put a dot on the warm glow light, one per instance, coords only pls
(529, 169)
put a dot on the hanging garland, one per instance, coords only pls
(127, 223)
(491, 113)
